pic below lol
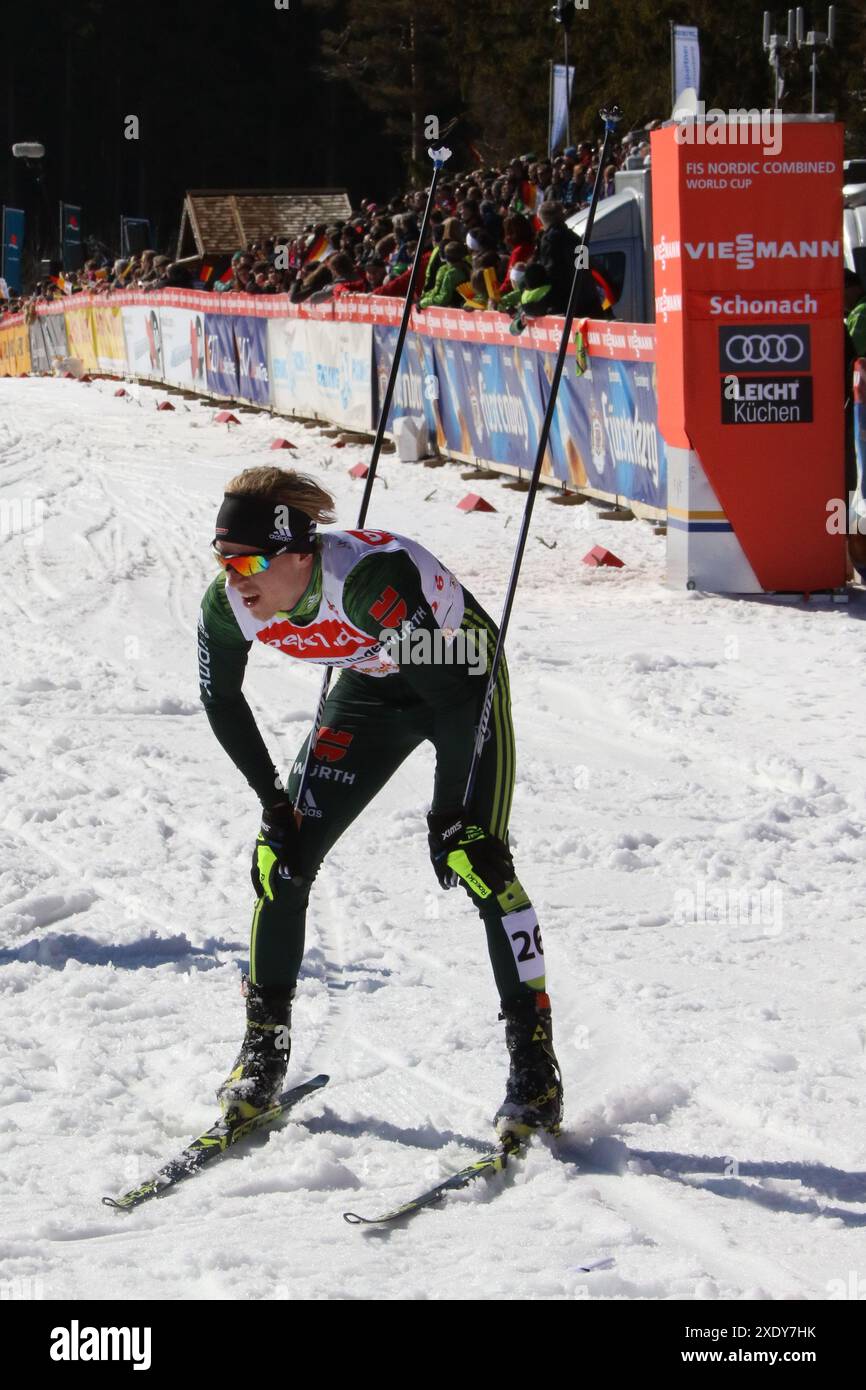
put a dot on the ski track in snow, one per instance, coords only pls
(671, 749)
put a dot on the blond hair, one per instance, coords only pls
(284, 485)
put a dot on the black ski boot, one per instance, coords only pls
(533, 1094)
(258, 1074)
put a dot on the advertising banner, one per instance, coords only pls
(14, 349)
(340, 363)
(40, 360)
(143, 335)
(79, 334)
(687, 61)
(748, 221)
(489, 401)
(221, 362)
(13, 245)
(604, 434)
(109, 338)
(183, 354)
(416, 390)
(486, 402)
(481, 390)
(54, 337)
(251, 347)
(288, 364)
(47, 342)
(70, 236)
(322, 368)
(561, 87)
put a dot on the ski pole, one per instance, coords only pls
(611, 116)
(439, 158)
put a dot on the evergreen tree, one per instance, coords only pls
(489, 62)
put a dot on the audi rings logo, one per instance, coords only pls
(770, 347)
(764, 351)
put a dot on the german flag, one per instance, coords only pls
(606, 290)
(318, 250)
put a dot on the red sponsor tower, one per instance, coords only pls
(748, 284)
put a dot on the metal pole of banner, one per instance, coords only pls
(567, 90)
(673, 66)
(439, 158)
(549, 107)
(62, 245)
(611, 116)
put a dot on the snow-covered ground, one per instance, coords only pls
(689, 819)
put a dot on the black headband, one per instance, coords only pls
(244, 519)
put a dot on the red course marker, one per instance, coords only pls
(473, 502)
(599, 556)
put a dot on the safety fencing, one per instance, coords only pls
(481, 390)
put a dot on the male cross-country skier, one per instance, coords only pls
(342, 599)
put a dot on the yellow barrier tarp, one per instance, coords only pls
(79, 333)
(14, 350)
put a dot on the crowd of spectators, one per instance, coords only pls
(497, 239)
(99, 275)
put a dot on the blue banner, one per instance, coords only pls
(562, 85)
(416, 391)
(687, 61)
(605, 432)
(251, 346)
(13, 245)
(489, 400)
(220, 354)
(486, 402)
(70, 236)
(481, 400)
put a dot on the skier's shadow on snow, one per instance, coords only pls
(424, 1138)
(54, 949)
(611, 1156)
(853, 607)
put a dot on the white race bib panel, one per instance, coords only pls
(524, 934)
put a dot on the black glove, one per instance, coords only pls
(276, 844)
(464, 853)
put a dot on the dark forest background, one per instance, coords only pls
(334, 92)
